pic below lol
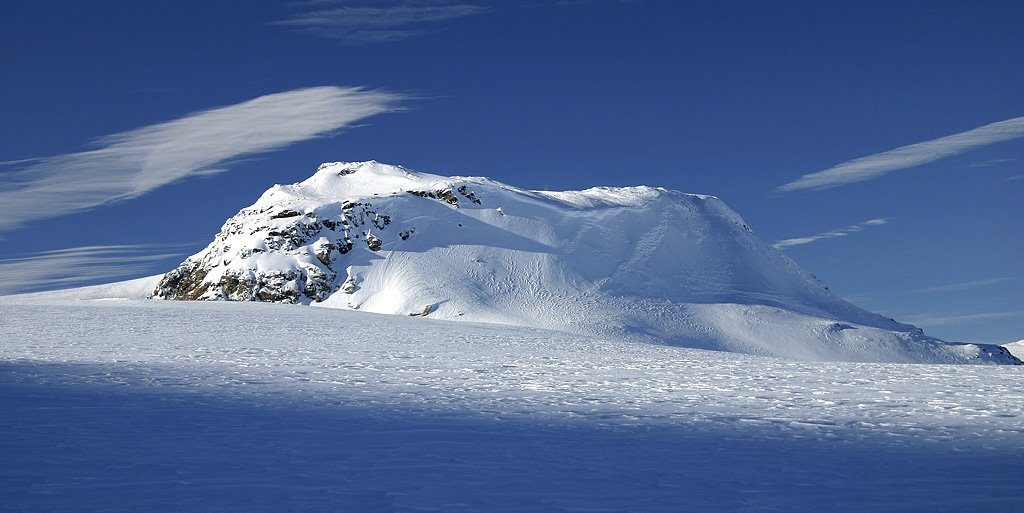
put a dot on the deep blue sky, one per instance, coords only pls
(727, 98)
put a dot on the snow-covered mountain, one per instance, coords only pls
(631, 262)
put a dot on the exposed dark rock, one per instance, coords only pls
(323, 252)
(463, 190)
(425, 312)
(183, 282)
(316, 241)
(445, 195)
(372, 242)
(345, 245)
(284, 213)
(246, 253)
(236, 287)
(349, 287)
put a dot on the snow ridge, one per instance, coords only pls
(625, 262)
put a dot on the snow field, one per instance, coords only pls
(114, 405)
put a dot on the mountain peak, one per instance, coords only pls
(372, 177)
(367, 166)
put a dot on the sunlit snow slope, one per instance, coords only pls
(1016, 348)
(632, 262)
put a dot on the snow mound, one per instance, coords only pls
(639, 263)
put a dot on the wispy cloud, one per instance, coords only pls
(85, 265)
(943, 320)
(873, 166)
(1014, 177)
(132, 163)
(888, 299)
(378, 22)
(841, 232)
(991, 162)
(967, 285)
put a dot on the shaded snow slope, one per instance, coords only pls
(629, 262)
(227, 407)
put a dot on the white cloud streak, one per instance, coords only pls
(84, 265)
(958, 287)
(841, 232)
(992, 162)
(132, 163)
(874, 166)
(379, 22)
(939, 289)
(943, 320)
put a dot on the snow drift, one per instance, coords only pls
(629, 262)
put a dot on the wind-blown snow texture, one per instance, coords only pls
(637, 263)
(118, 404)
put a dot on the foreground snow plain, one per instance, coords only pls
(113, 404)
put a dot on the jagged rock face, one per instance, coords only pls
(629, 262)
(281, 254)
(304, 237)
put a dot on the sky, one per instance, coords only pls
(879, 144)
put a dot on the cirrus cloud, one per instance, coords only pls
(84, 265)
(129, 164)
(378, 22)
(879, 164)
(841, 232)
(942, 320)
